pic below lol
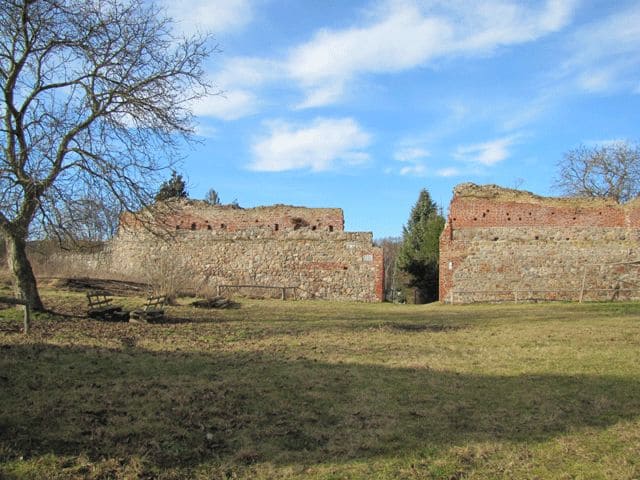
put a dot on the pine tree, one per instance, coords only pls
(175, 187)
(419, 253)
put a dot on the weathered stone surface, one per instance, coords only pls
(198, 215)
(278, 246)
(502, 244)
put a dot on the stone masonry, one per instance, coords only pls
(501, 244)
(305, 249)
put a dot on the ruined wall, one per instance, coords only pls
(502, 244)
(200, 247)
(198, 215)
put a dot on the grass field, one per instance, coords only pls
(323, 390)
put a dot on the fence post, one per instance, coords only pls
(27, 319)
(584, 279)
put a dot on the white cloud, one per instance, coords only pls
(448, 172)
(324, 145)
(411, 157)
(417, 169)
(318, 96)
(402, 36)
(227, 106)
(409, 154)
(499, 23)
(402, 40)
(239, 80)
(518, 115)
(486, 153)
(247, 72)
(605, 55)
(216, 16)
(396, 36)
(206, 131)
(596, 80)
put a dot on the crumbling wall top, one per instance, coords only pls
(503, 194)
(493, 206)
(200, 215)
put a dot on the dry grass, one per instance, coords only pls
(324, 390)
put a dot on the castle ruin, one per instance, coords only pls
(304, 250)
(508, 245)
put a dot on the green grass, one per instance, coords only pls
(323, 390)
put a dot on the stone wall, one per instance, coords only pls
(194, 246)
(502, 244)
(198, 215)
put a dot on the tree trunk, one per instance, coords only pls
(25, 287)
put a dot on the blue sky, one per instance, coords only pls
(360, 104)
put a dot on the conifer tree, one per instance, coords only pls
(175, 187)
(419, 253)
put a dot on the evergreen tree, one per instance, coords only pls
(419, 253)
(175, 187)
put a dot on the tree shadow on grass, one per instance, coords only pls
(183, 409)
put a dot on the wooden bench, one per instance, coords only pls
(152, 311)
(102, 308)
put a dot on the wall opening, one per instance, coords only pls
(193, 226)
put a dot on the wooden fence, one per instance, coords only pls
(518, 296)
(280, 289)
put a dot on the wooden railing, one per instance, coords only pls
(528, 295)
(281, 289)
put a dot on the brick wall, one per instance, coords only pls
(198, 215)
(201, 246)
(500, 243)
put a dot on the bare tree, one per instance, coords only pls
(95, 98)
(390, 249)
(83, 219)
(212, 197)
(607, 171)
